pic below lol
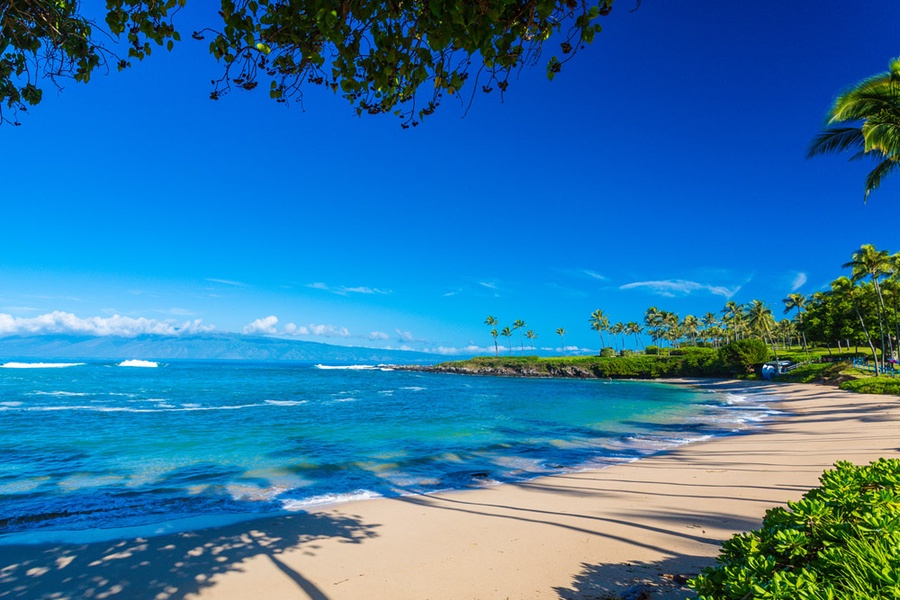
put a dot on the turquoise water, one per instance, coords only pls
(106, 445)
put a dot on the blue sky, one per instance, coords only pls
(664, 166)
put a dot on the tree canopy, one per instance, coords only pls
(380, 56)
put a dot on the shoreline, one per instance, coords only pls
(185, 523)
(576, 535)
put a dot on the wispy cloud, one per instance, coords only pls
(379, 335)
(671, 288)
(407, 337)
(343, 290)
(265, 326)
(226, 282)
(116, 325)
(489, 285)
(452, 351)
(317, 330)
(798, 282)
(593, 274)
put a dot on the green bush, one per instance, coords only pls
(841, 540)
(626, 353)
(881, 384)
(607, 352)
(651, 349)
(744, 355)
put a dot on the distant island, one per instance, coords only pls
(207, 346)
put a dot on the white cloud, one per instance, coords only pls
(488, 285)
(378, 335)
(293, 329)
(329, 331)
(407, 336)
(593, 274)
(344, 290)
(265, 326)
(798, 282)
(117, 325)
(681, 287)
(318, 330)
(451, 351)
(226, 282)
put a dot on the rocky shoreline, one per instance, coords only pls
(546, 371)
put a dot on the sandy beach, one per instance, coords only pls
(577, 536)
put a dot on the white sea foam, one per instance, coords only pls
(121, 409)
(413, 388)
(347, 367)
(138, 363)
(303, 504)
(39, 365)
(61, 394)
(286, 402)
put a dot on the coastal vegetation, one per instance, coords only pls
(858, 317)
(841, 540)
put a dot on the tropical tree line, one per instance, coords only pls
(860, 309)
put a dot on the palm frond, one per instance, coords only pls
(873, 179)
(835, 140)
(883, 137)
(869, 97)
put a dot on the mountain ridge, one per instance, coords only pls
(205, 346)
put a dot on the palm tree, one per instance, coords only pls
(690, 326)
(734, 314)
(865, 119)
(797, 301)
(519, 324)
(846, 287)
(615, 331)
(507, 333)
(761, 321)
(710, 325)
(671, 331)
(562, 334)
(531, 337)
(492, 321)
(653, 321)
(636, 330)
(599, 323)
(869, 262)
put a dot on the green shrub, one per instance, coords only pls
(651, 349)
(607, 352)
(744, 355)
(626, 353)
(841, 540)
(881, 384)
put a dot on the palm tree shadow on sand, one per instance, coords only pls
(174, 565)
(662, 580)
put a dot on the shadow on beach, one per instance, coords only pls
(662, 580)
(170, 566)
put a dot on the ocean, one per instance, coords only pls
(88, 447)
